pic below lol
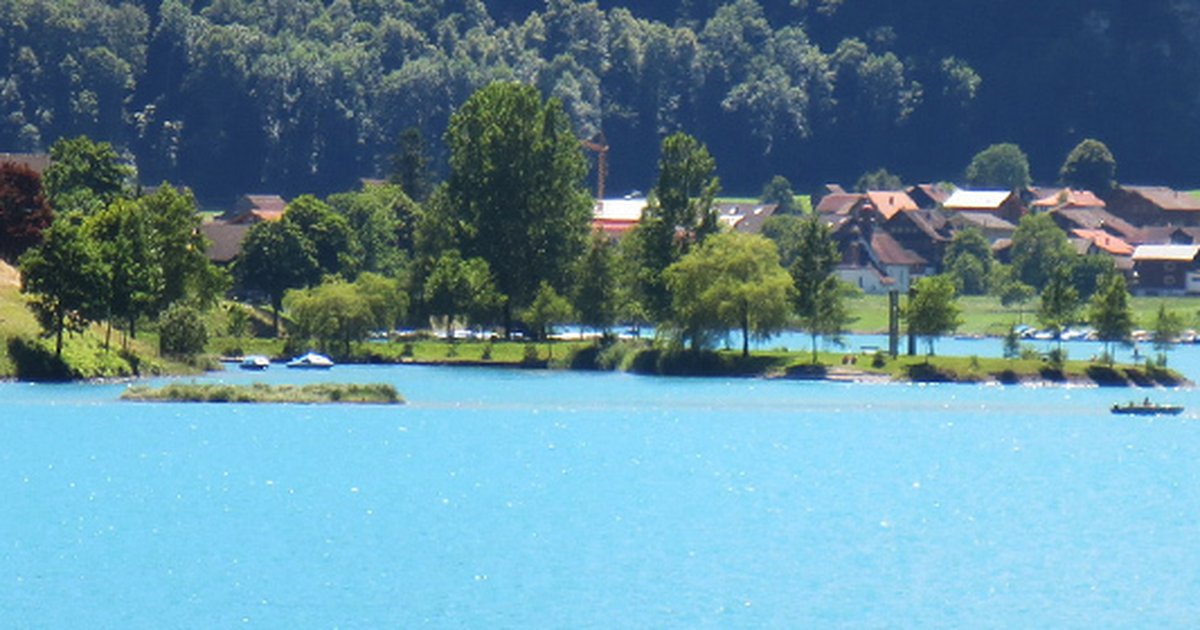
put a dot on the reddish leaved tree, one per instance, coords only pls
(24, 211)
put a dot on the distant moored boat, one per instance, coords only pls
(311, 361)
(255, 362)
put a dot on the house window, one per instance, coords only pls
(1168, 281)
(1169, 266)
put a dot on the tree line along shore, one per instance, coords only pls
(504, 243)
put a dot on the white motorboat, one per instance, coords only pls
(311, 361)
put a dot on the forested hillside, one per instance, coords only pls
(293, 96)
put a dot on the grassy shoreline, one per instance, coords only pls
(25, 356)
(643, 357)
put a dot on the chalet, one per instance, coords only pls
(745, 217)
(36, 162)
(616, 217)
(929, 196)
(872, 259)
(1005, 204)
(1155, 205)
(255, 208)
(1166, 269)
(1068, 199)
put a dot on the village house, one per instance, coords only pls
(872, 259)
(1099, 242)
(1005, 204)
(616, 217)
(1155, 206)
(1166, 269)
(255, 208)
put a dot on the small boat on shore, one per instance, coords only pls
(255, 362)
(311, 361)
(1147, 408)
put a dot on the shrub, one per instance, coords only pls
(181, 331)
(879, 359)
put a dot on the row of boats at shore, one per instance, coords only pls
(307, 361)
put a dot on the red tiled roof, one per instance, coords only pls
(1068, 198)
(888, 202)
(1105, 241)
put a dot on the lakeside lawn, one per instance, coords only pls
(983, 315)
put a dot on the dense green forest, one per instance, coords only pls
(295, 96)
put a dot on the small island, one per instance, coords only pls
(317, 393)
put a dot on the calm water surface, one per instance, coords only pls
(514, 499)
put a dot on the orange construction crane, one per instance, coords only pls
(600, 146)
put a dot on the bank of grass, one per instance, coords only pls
(984, 315)
(26, 355)
(317, 393)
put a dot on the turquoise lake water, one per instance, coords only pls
(527, 499)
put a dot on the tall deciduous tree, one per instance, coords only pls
(879, 179)
(24, 212)
(334, 312)
(999, 166)
(817, 296)
(548, 308)
(123, 236)
(334, 244)
(516, 189)
(63, 275)
(680, 213)
(178, 248)
(933, 310)
(1167, 328)
(410, 164)
(1040, 249)
(276, 257)
(969, 260)
(779, 191)
(458, 287)
(1090, 166)
(1060, 303)
(732, 281)
(1109, 312)
(595, 295)
(84, 175)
